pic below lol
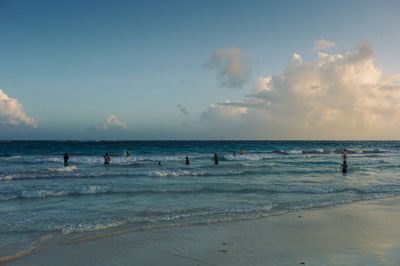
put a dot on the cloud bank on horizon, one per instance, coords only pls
(338, 96)
(11, 112)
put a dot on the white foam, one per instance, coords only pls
(12, 158)
(63, 169)
(294, 152)
(42, 193)
(90, 226)
(93, 189)
(247, 157)
(6, 178)
(169, 173)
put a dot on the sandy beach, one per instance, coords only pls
(362, 233)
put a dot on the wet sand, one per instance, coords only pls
(363, 233)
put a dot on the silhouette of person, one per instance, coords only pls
(66, 159)
(344, 167)
(216, 158)
(107, 159)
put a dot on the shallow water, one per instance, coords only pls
(42, 202)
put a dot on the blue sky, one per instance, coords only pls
(73, 64)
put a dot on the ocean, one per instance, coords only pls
(43, 202)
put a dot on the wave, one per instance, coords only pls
(165, 173)
(245, 157)
(155, 219)
(7, 178)
(98, 189)
(71, 172)
(81, 190)
(85, 226)
(11, 158)
(374, 151)
(63, 169)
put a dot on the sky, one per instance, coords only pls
(182, 70)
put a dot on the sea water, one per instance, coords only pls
(43, 202)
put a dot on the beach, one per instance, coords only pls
(279, 203)
(360, 233)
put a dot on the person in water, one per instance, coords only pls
(344, 167)
(241, 151)
(66, 159)
(107, 159)
(127, 154)
(187, 160)
(215, 158)
(234, 153)
(344, 155)
(159, 162)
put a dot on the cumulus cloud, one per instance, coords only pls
(339, 96)
(224, 112)
(323, 44)
(11, 112)
(183, 109)
(113, 122)
(232, 72)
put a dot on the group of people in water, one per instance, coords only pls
(107, 159)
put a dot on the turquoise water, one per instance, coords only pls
(44, 203)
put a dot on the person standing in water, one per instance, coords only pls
(66, 159)
(241, 151)
(344, 155)
(215, 158)
(344, 167)
(187, 160)
(127, 154)
(107, 159)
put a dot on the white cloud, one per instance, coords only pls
(323, 44)
(232, 72)
(11, 112)
(113, 122)
(183, 109)
(336, 97)
(220, 113)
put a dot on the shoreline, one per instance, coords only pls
(359, 233)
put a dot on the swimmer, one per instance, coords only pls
(187, 160)
(241, 151)
(66, 159)
(344, 167)
(216, 158)
(234, 153)
(159, 162)
(107, 159)
(127, 154)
